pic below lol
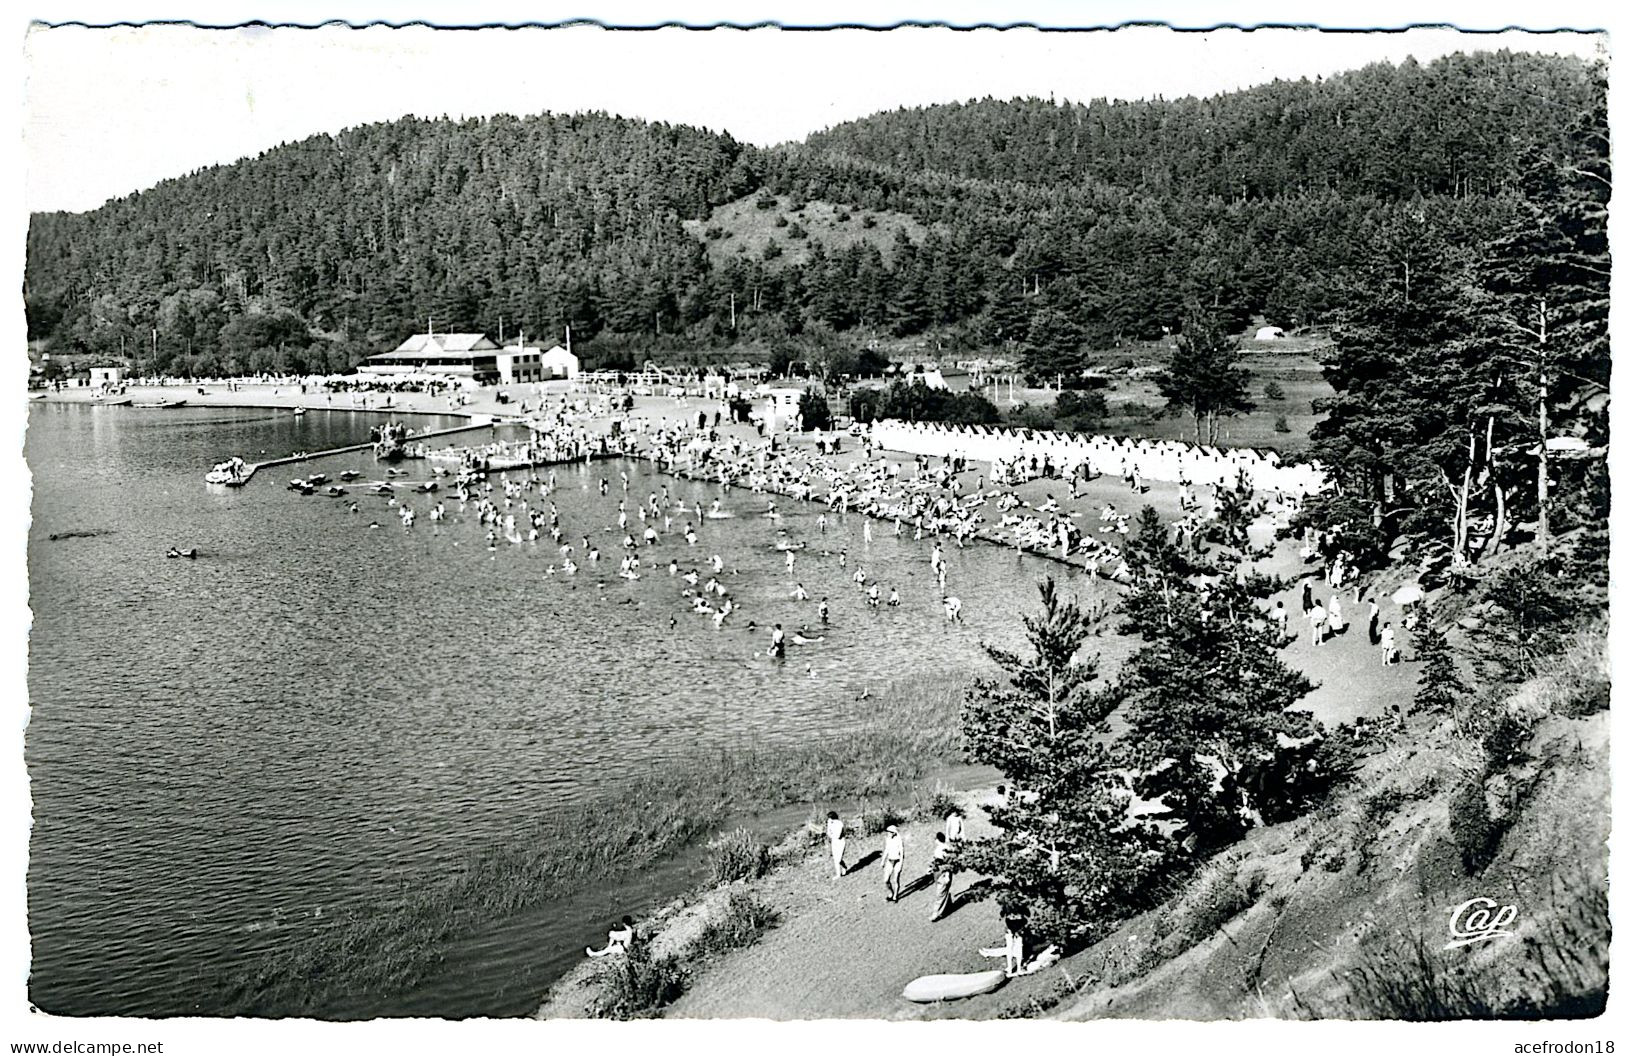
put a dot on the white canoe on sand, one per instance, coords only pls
(928, 988)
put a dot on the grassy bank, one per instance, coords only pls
(390, 944)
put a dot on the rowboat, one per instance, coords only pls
(928, 988)
(159, 404)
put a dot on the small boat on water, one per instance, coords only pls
(349, 474)
(297, 411)
(162, 403)
(112, 401)
(335, 491)
(303, 487)
(316, 478)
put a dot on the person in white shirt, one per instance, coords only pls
(892, 855)
(835, 830)
(620, 938)
(953, 826)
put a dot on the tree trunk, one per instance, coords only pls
(1458, 549)
(1542, 523)
(1494, 545)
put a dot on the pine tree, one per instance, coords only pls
(1208, 699)
(1067, 852)
(1204, 376)
(1441, 687)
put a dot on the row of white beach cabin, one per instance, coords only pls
(1166, 460)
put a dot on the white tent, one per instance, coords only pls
(1269, 333)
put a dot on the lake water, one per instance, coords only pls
(315, 710)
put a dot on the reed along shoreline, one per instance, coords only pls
(365, 956)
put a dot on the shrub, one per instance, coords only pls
(1214, 897)
(766, 202)
(1280, 424)
(814, 411)
(797, 232)
(739, 855)
(1274, 391)
(743, 920)
(772, 251)
(1441, 687)
(873, 822)
(713, 232)
(868, 222)
(942, 804)
(780, 221)
(1080, 412)
(1031, 416)
(638, 985)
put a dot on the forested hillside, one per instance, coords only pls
(1454, 127)
(1029, 228)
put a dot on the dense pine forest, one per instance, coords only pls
(1049, 230)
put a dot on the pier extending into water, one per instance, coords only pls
(479, 422)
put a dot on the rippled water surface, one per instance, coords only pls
(316, 709)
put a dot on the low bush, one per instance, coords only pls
(873, 822)
(942, 804)
(738, 855)
(1215, 896)
(741, 922)
(638, 985)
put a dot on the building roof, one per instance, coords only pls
(443, 343)
(426, 354)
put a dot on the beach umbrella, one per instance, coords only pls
(1408, 594)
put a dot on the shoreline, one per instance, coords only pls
(384, 950)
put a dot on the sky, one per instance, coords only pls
(108, 111)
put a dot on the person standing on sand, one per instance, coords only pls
(892, 854)
(1389, 653)
(1371, 630)
(835, 830)
(953, 826)
(944, 874)
(1308, 598)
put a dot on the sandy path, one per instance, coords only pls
(843, 951)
